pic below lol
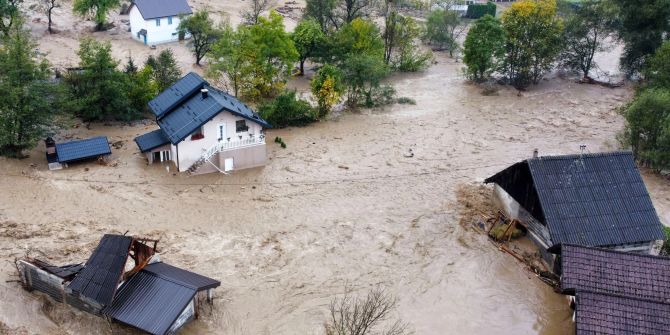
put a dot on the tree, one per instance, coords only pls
(49, 6)
(364, 315)
(164, 69)
(99, 8)
(99, 89)
(642, 25)
(287, 110)
(228, 61)
(408, 54)
(585, 31)
(255, 9)
(348, 10)
(657, 68)
(140, 88)
(327, 87)
(443, 28)
(533, 32)
(202, 31)
(483, 48)
(362, 75)
(307, 37)
(9, 13)
(647, 128)
(360, 37)
(321, 11)
(28, 101)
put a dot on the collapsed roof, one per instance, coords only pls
(590, 199)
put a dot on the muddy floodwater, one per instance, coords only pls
(365, 199)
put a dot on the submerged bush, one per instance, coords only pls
(287, 110)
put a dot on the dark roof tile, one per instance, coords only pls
(151, 9)
(82, 149)
(151, 140)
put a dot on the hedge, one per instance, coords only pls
(476, 11)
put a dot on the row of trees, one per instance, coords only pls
(533, 36)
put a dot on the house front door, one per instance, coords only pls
(145, 39)
(222, 132)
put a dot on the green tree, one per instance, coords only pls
(362, 75)
(647, 128)
(307, 37)
(483, 48)
(229, 62)
(585, 31)
(443, 28)
(9, 14)
(28, 101)
(408, 55)
(140, 88)
(321, 11)
(360, 37)
(327, 87)
(98, 8)
(164, 69)
(642, 25)
(657, 68)
(99, 89)
(287, 110)
(533, 32)
(202, 31)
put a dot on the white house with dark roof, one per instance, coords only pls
(156, 21)
(203, 129)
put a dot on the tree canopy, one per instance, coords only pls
(99, 9)
(202, 31)
(307, 38)
(484, 48)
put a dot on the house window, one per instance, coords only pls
(158, 22)
(241, 126)
(169, 19)
(198, 134)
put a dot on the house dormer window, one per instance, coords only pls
(158, 22)
(241, 126)
(169, 20)
(198, 134)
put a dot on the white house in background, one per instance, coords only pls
(156, 21)
(203, 129)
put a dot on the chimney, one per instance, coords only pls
(204, 92)
(535, 153)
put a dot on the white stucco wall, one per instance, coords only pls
(155, 34)
(191, 150)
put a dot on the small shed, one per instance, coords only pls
(60, 154)
(616, 292)
(597, 200)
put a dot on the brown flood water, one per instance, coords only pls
(343, 204)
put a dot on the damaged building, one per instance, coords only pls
(125, 281)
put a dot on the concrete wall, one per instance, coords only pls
(155, 34)
(191, 150)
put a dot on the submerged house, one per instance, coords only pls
(616, 292)
(144, 293)
(596, 200)
(60, 154)
(203, 129)
(156, 21)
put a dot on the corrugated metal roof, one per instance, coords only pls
(181, 109)
(103, 269)
(612, 272)
(603, 314)
(151, 140)
(151, 9)
(181, 276)
(149, 302)
(82, 149)
(591, 199)
(176, 94)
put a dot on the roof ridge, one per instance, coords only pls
(589, 155)
(172, 280)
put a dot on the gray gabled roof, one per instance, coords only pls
(82, 149)
(181, 109)
(591, 199)
(151, 9)
(151, 140)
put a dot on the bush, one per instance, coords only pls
(287, 110)
(647, 128)
(406, 101)
(476, 11)
(666, 244)
(381, 96)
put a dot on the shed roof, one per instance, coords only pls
(613, 272)
(605, 314)
(82, 149)
(591, 199)
(151, 9)
(103, 269)
(153, 298)
(151, 140)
